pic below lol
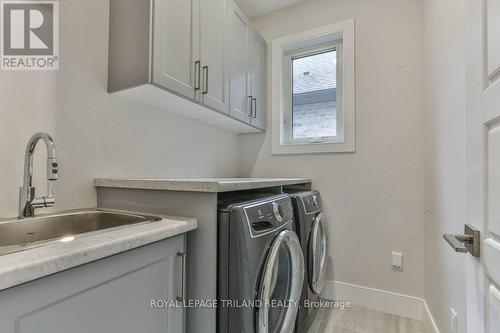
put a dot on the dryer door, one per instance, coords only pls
(281, 285)
(317, 255)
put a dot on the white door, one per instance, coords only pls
(257, 50)
(483, 162)
(176, 46)
(213, 60)
(239, 89)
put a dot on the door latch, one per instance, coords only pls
(467, 242)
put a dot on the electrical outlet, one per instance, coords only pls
(397, 261)
(454, 321)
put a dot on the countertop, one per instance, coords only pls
(20, 267)
(198, 184)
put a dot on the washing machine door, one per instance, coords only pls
(317, 255)
(280, 285)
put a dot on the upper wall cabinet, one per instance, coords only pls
(257, 77)
(247, 56)
(214, 92)
(239, 95)
(188, 50)
(190, 57)
(176, 49)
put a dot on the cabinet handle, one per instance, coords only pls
(250, 98)
(205, 79)
(254, 109)
(197, 65)
(183, 280)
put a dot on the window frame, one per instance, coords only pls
(288, 93)
(340, 35)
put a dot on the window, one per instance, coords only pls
(313, 91)
(312, 112)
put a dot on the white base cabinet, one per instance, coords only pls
(110, 295)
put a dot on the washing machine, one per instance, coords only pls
(260, 266)
(312, 233)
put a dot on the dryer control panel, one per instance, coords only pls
(267, 216)
(312, 203)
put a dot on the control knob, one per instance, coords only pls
(278, 212)
(315, 200)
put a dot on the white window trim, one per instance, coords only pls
(346, 95)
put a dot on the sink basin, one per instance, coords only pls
(18, 235)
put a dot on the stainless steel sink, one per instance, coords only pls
(18, 235)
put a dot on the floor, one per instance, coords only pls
(361, 320)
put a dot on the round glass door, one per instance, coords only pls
(281, 285)
(317, 254)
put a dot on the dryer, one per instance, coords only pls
(310, 228)
(260, 266)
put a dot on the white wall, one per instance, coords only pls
(96, 134)
(373, 198)
(445, 158)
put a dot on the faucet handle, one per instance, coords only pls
(52, 169)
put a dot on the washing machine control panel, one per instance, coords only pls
(312, 203)
(269, 215)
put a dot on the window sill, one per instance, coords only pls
(313, 148)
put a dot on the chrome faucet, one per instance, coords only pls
(27, 199)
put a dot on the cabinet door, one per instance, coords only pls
(239, 88)
(175, 46)
(257, 51)
(213, 60)
(114, 294)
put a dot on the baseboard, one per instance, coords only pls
(379, 300)
(383, 301)
(430, 324)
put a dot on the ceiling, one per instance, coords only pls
(254, 8)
